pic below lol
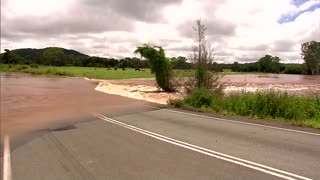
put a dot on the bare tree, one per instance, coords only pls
(202, 56)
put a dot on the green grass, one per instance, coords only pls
(90, 72)
(230, 72)
(272, 105)
(98, 73)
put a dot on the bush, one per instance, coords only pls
(34, 65)
(176, 102)
(160, 65)
(22, 67)
(294, 69)
(200, 98)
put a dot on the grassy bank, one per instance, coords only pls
(273, 105)
(91, 72)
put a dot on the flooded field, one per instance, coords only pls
(30, 103)
(293, 84)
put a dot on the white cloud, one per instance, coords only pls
(240, 30)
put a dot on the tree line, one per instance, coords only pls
(54, 56)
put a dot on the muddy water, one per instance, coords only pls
(31, 103)
(293, 84)
(284, 79)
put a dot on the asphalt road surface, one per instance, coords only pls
(165, 144)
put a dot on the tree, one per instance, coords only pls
(9, 58)
(160, 65)
(179, 62)
(55, 57)
(202, 56)
(270, 64)
(6, 56)
(310, 52)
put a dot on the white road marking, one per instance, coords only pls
(240, 122)
(6, 159)
(218, 155)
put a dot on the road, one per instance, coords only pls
(165, 144)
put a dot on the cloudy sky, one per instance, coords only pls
(238, 30)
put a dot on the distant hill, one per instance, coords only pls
(50, 55)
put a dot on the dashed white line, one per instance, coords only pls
(218, 155)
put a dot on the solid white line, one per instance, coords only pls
(209, 152)
(6, 159)
(205, 149)
(240, 122)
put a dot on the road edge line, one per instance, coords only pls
(240, 122)
(235, 160)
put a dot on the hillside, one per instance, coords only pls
(50, 55)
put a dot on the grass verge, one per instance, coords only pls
(273, 105)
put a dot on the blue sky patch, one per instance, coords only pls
(298, 3)
(291, 16)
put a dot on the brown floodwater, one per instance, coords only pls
(30, 103)
(293, 84)
(262, 79)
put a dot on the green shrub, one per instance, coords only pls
(34, 65)
(294, 69)
(176, 102)
(160, 65)
(19, 67)
(200, 98)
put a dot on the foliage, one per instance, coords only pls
(160, 65)
(269, 64)
(8, 58)
(202, 57)
(34, 65)
(310, 52)
(295, 69)
(55, 57)
(200, 98)
(180, 63)
(298, 110)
